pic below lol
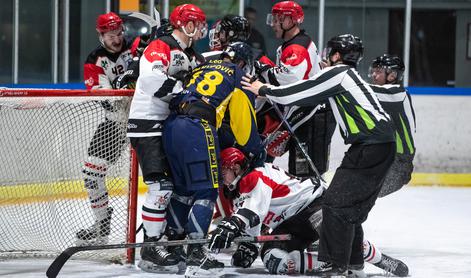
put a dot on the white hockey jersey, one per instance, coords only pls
(162, 58)
(270, 195)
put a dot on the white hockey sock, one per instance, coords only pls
(371, 254)
(154, 209)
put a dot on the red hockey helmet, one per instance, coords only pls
(232, 156)
(289, 8)
(108, 22)
(185, 13)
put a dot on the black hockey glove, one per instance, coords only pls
(184, 76)
(225, 233)
(245, 255)
(259, 160)
(128, 79)
(261, 68)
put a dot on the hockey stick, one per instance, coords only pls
(59, 262)
(296, 140)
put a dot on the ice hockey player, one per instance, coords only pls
(192, 143)
(286, 204)
(129, 78)
(164, 67)
(111, 58)
(386, 72)
(231, 28)
(103, 65)
(296, 59)
(365, 126)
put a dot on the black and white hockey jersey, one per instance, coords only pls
(102, 67)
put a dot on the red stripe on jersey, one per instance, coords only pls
(158, 50)
(309, 261)
(153, 219)
(294, 55)
(95, 167)
(248, 183)
(90, 75)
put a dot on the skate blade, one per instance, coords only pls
(193, 271)
(95, 241)
(154, 268)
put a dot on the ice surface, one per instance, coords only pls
(426, 227)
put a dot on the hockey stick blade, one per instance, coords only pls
(59, 262)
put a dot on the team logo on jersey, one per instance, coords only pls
(178, 60)
(132, 126)
(104, 64)
(292, 57)
(89, 81)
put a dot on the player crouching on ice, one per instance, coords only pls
(294, 207)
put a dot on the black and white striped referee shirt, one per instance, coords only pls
(398, 104)
(356, 108)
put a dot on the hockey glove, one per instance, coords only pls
(260, 67)
(259, 160)
(245, 255)
(128, 79)
(225, 233)
(184, 76)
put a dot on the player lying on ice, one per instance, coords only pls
(294, 207)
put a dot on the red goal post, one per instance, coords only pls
(46, 139)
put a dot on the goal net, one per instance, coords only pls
(64, 170)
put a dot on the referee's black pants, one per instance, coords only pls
(348, 200)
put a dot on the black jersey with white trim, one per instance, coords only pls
(398, 104)
(356, 108)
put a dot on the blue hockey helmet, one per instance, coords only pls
(240, 51)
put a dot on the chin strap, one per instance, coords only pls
(190, 35)
(285, 30)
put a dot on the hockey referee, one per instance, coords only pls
(366, 126)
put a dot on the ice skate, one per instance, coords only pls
(200, 264)
(393, 266)
(158, 260)
(97, 233)
(331, 271)
(356, 271)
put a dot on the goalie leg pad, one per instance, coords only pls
(94, 170)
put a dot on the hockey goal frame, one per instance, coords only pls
(132, 196)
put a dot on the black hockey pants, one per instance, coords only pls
(348, 200)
